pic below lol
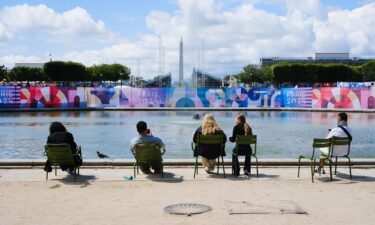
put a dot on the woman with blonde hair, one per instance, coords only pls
(209, 152)
(241, 128)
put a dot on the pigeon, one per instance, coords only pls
(102, 156)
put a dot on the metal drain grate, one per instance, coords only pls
(187, 209)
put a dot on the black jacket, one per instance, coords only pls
(239, 130)
(209, 151)
(62, 137)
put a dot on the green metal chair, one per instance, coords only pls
(211, 139)
(148, 153)
(247, 140)
(61, 155)
(317, 143)
(335, 143)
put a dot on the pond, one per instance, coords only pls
(281, 135)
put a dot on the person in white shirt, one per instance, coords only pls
(342, 130)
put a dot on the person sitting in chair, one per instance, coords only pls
(241, 128)
(342, 130)
(208, 152)
(59, 135)
(145, 136)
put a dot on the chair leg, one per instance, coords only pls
(330, 168)
(256, 163)
(222, 161)
(55, 170)
(335, 165)
(196, 167)
(312, 166)
(299, 162)
(218, 165)
(134, 169)
(350, 168)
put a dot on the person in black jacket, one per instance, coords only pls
(241, 128)
(58, 135)
(209, 153)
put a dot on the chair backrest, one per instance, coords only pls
(210, 139)
(321, 143)
(147, 152)
(340, 146)
(59, 154)
(247, 140)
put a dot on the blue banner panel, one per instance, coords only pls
(10, 96)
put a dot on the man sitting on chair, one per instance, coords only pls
(145, 136)
(342, 130)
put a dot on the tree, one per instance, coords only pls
(368, 71)
(321, 73)
(110, 72)
(252, 73)
(3, 73)
(65, 71)
(27, 74)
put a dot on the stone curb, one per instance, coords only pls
(177, 162)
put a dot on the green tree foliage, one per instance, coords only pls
(368, 71)
(65, 71)
(109, 72)
(320, 73)
(3, 73)
(252, 73)
(27, 74)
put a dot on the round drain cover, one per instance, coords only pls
(187, 209)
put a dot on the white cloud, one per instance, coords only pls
(233, 37)
(4, 34)
(75, 23)
(346, 30)
(10, 60)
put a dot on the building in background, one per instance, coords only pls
(30, 65)
(319, 58)
(200, 79)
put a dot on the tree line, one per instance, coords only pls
(67, 71)
(284, 72)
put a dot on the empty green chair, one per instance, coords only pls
(317, 144)
(210, 139)
(148, 153)
(340, 147)
(247, 140)
(61, 155)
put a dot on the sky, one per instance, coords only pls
(220, 36)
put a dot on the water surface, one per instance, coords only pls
(280, 134)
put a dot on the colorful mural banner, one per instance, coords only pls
(9, 96)
(128, 97)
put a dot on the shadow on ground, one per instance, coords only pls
(242, 177)
(81, 180)
(167, 178)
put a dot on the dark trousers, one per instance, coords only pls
(156, 166)
(236, 164)
(77, 162)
